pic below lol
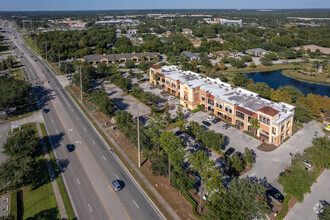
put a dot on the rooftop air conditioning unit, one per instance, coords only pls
(226, 89)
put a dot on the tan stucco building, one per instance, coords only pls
(236, 105)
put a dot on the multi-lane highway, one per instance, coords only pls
(89, 170)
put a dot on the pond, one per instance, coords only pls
(275, 79)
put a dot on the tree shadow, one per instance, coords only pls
(51, 213)
(120, 104)
(56, 140)
(225, 142)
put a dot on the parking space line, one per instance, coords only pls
(104, 157)
(90, 208)
(78, 181)
(93, 141)
(117, 176)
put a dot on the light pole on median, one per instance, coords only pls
(138, 127)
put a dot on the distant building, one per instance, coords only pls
(234, 105)
(186, 31)
(217, 39)
(257, 52)
(313, 48)
(190, 55)
(118, 58)
(222, 53)
(197, 43)
(224, 21)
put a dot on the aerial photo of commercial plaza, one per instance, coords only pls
(170, 109)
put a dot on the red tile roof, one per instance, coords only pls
(248, 112)
(156, 67)
(268, 111)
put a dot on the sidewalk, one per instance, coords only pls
(133, 166)
(56, 190)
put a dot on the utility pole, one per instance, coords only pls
(81, 91)
(59, 61)
(200, 199)
(138, 127)
(46, 51)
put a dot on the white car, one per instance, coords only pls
(171, 98)
(210, 118)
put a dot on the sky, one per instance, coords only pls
(54, 5)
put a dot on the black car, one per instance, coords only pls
(225, 126)
(208, 124)
(239, 154)
(116, 185)
(274, 193)
(216, 120)
(230, 151)
(70, 147)
(46, 110)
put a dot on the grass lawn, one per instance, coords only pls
(258, 68)
(18, 73)
(318, 78)
(40, 202)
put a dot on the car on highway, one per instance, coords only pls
(70, 147)
(210, 118)
(46, 110)
(208, 124)
(230, 151)
(225, 126)
(116, 185)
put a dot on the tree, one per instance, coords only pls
(302, 113)
(102, 68)
(130, 64)
(179, 113)
(319, 153)
(261, 88)
(196, 130)
(280, 96)
(12, 92)
(242, 200)
(290, 55)
(271, 56)
(266, 61)
(294, 93)
(212, 140)
(255, 124)
(248, 156)
(253, 65)
(174, 148)
(325, 215)
(246, 58)
(102, 100)
(297, 182)
(222, 66)
(237, 165)
(67, 68)
(240, 79)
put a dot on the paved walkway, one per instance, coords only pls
(131, 164)
(52, 176)
(320, 193)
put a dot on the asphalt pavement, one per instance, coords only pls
(89, 170)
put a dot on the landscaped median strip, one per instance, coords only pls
(59, 180)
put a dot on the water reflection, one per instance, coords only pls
(275, 79)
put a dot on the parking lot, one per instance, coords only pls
(4, 205)
(126, 102)
(233, 137)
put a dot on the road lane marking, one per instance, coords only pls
(93, 141)
(117, 176)
(52, 120)
(90, 208)
(56, 131)
(135, 204)
(88, 174)
(98, 167)
(104, 157)
(78, 142)
(78, 119)
(85, 129)
(78, 181)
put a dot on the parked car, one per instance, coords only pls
(171, 98)
(307, 164)
(225, 126)
(216, 120)
(230, 151)
(275, 194)
(239, 154)
(70, 147)
(46, 110)
(116, 185)
(208, 124)
(210, 118)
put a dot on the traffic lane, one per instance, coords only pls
(103, 187)
(131, 195)
(144, 202)
(83, 195)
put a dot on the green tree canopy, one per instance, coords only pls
(319, 153)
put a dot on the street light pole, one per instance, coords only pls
(138, 127)
(81, 91)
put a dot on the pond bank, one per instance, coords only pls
(320, 79)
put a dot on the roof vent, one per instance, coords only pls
(239, 90)
(226, 89)
(283, 106)
(284, 110)
(251, 94)
(259, 97)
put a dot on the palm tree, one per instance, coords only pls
(255, 124)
